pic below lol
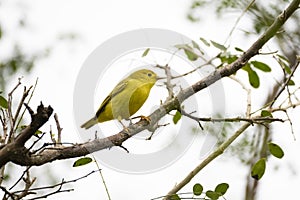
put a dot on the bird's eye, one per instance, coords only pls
(149, 74)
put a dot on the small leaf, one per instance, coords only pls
(239, 49)
(192, 18)
(205, 41)
(247, 67)
(3, 102)
(212, 195)
(38, 132)
(275, 150)
(265, 113)
(176, 117)
(222, 188)
(22, 127)
(146, 52)
(195, 45)
(82, 161)
(191, 55)
(291, 82)
(283, 58)
(188, 50)
(219, 46)
(197, 189)
(197, 4)
(261, 66)
(287, 68)
(253, 78)
(258, 169)
(175, 197)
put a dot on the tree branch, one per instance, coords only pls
(17, 153)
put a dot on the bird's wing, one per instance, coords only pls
(119, 88)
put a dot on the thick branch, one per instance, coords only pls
(22, 157)
(16, 147)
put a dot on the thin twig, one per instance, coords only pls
(28, 101)
(102, 178)
(9, 110)
(35, 142)
(7, 193)
(238, 20)
(168, 83)
(286, 82)
(291, 124)
(209, 62)
(59, 129)
(248, 110)
(257, 120)
(63, 182)
(25, 94)
(21, 177)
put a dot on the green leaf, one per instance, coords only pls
(287, 68)
(247, 67)
(265, 113)
(284, 63)
(188, 50)
(195, 45)
(253, 78)
(261, 66)
(22, 127)
(291, 82)
(222, 188)
(239, 49)
(198, 3)
(191, 55)
(82, 161)
(175, 197)
(258, 169)
(192, 18)
(219, 46)
(205, 41)
(283, 58)
(275, 150)
(176, 117)
(212, 195)
(3, 102)
(197, 189)
(38, 132)
(146, 52)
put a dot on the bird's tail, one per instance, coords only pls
(89, 123)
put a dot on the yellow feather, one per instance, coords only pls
(126, 98)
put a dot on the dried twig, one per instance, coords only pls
(58, 185)
(59, 129)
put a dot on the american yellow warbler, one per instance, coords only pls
(125, 99)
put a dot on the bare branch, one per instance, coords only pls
(59, 129)
(58, 186)
(253, 120)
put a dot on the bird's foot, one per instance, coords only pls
(142, 117)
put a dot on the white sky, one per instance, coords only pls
(97, 21)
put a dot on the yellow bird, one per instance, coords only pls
(125, 99)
